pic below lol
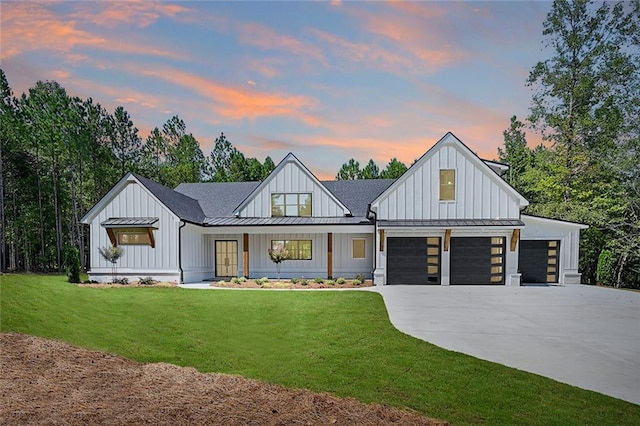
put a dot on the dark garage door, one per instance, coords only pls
(412, 260)
(538, 260)
(477, 260)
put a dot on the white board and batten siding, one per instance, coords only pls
(292, 178)
(198, 253)
(260, 265)
(568, 233)
(344, 265)
(479, 192)
(160, 262)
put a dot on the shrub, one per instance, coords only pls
(222, 283)
(72, 262)
(330, 282)
(147, 281)
(318, 280)
(605, 269)
(295, 280)
(341, 281)
(243, 279)
(356, 282)
(235, 280)
(123, 281)
(303, 281)
(360, 277)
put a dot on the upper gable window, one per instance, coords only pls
(298, 204)
(447, 185)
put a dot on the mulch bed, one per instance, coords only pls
(287, 284)
(49, 382)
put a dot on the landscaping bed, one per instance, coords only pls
(50, 382)
(296, 283)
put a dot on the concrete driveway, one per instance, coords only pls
(585, 336)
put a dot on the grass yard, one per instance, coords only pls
(338, 342)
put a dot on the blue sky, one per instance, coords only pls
(328, 81)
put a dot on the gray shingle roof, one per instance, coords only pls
(186, 208)
(357, 194)
(218, 199)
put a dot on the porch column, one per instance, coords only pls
(245, 253)
(330, 255)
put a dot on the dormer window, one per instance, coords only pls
(447, 185)
(296, 204)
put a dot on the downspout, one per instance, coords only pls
(371, 213)
(182, 225)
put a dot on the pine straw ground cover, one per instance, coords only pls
(50, 382)
(291, 284)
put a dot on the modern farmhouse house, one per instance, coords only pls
(449, 220)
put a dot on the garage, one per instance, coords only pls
(413, 260)
(477, 260)
(538, 260)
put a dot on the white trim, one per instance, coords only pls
(566, 223)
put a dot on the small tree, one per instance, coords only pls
(111, 254)
(277, 256)
(72, 263)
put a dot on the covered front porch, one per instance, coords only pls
(324, 251)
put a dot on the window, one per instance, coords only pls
(131, 236)
(298, 249)
(447, 185)
(359, 248)
(291, 204)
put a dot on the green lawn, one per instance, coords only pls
(338, 342)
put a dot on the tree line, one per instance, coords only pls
(60, 154)
(586, 105)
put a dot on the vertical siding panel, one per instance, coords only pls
(417, 194)
(400, 206)
(409, 197)
(432, 194)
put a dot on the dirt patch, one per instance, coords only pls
(49, 382)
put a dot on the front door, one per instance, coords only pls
(226, 258)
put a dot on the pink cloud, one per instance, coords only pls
(140, 13)
(266, 38)
(410, 33)
(236, 103)
(33, 27)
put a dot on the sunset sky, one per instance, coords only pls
(327, 81)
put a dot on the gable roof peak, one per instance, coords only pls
(289, 158)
